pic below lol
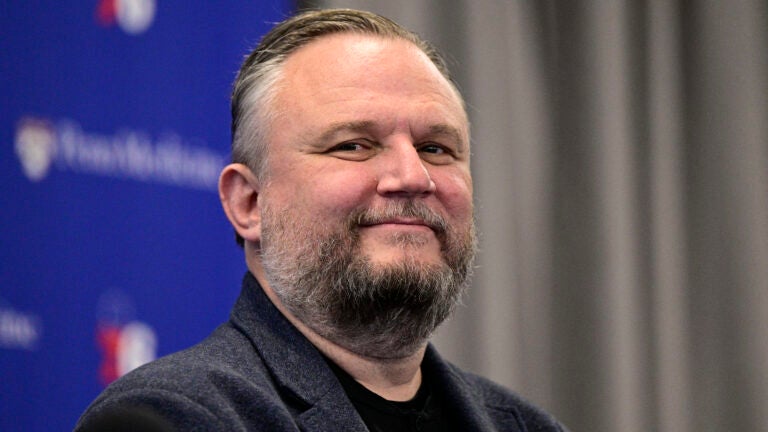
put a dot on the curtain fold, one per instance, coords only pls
(620, 160)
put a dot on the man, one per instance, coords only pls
(351, 195)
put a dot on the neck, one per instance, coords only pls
(393, 379)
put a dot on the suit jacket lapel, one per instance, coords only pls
(462, 399)
(297, 367)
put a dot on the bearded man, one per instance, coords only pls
(350, 193)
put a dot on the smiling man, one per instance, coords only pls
(351, 195)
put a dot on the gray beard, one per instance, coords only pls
(378, 311)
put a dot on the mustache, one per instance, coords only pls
(410, 209)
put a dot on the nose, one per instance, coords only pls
(403, 172)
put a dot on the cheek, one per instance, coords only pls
(334, 193)
(455, 193)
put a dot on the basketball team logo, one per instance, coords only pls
(132, 16)
(125, 343)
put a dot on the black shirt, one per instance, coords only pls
(424, 413)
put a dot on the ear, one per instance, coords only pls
(239, 192)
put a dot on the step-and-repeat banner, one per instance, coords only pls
(114, 125)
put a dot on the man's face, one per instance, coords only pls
(368, 169)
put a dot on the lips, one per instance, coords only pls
(403, 221)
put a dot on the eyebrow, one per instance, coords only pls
(450, 132)
(365, 126)
(354, 126)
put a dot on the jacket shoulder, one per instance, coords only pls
(214, 385)
(496, 397)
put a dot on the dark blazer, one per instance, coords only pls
(259, 373)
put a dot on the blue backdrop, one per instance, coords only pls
(113, 247)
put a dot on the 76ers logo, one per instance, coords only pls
(124, 349)
(132, 16)
(124, 344)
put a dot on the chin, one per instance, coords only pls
(401, 256)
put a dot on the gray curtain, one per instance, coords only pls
(620, 158)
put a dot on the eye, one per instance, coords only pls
(437, 154)
(433, 149)
(348, 147)
(353, 150)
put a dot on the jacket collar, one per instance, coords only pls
(465, 399)
(297, 367)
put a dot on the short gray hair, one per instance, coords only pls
(255, 87)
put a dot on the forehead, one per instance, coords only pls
(349, 50)
(355, 71)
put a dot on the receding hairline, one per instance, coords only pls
(304, 28)
(457, 129)
(428, 61)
